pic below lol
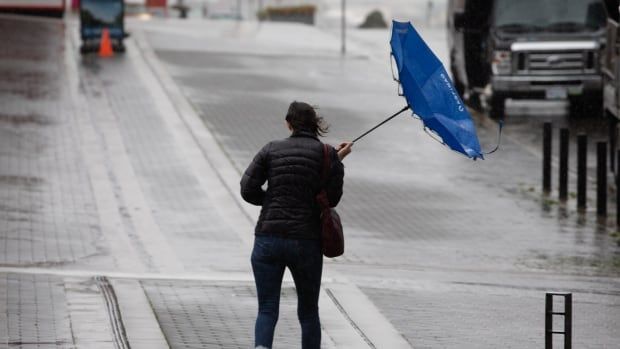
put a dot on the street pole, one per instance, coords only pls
(239, 10)
(343, 28)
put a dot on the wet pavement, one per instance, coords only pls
(215, 315)
(462, 207)
(128, 168)
(474, 217)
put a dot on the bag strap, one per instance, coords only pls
(326, 165)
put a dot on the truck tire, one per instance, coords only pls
(497, 106)
(590, 105)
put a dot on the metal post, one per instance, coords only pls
(549, 321)
(563, 180)
(182, 9)
(618, 191)
(568, 321)
(601, 178)
(547, 136)
(613, 143)
(343, 28)
(239, 16)
(582, 158)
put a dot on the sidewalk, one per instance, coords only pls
(119, 173)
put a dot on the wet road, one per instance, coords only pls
(461, 205)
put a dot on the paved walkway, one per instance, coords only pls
(120, 223)
(103, 158)
(475, 230)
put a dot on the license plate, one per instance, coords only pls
(575, 90)
(556, 93)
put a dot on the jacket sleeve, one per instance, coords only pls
(336, 176)
(254, 178)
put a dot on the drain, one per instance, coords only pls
(114, 313)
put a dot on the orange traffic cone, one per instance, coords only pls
(105, 45)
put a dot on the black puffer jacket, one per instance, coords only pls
(292, 168)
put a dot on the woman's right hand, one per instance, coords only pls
(344, 149)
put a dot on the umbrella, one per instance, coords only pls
(430, 93)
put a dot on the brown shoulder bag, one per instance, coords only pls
(332, 238)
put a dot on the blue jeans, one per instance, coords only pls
(270, 256)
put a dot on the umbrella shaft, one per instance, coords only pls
(381, 123)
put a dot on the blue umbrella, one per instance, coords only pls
(430, 93)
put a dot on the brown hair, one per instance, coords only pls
(302, 117)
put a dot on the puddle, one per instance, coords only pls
(19, 120)
(25, 181)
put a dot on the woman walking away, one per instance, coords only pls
(287, 233)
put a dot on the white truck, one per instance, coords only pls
(528, 49)
(611, 71)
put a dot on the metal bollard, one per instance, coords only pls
(547, 138)
(613, 143)
(563, 177)
(601, 178)
(582, 159)
(618, 191)
(568, 320)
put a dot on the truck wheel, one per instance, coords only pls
(586, 106)
(497, 106)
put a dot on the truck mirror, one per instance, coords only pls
(459, 20)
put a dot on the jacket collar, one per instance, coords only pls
(304, 134)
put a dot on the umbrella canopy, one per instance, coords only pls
(430, 93)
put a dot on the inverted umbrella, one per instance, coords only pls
(430, 93)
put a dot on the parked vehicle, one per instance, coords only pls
(611, 70)
(53, 8)
(528, 49)
(95, 15)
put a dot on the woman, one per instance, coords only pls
(287, 232)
